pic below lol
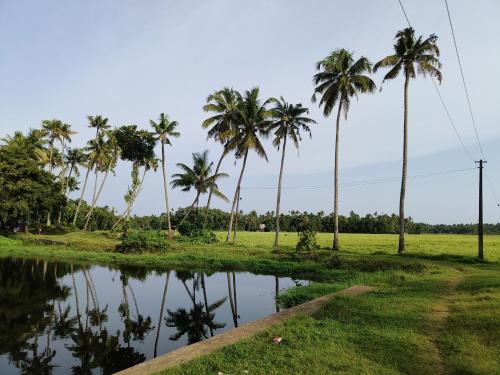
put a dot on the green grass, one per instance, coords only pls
(386, 331)
(428, 245)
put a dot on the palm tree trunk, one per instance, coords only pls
(336, 245)
(51, 152)
(81, 196)
(161, 314)
(401, 247)
(236, 216)
(236, 193)
(165, 188)
(211, 190)
(278, 198)
(94, 202)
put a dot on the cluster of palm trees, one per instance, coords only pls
(239, 122)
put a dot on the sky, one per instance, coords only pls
(132, 60)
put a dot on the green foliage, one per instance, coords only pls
(196, 233)
(307, 241)
(143, 241)
(135, 145)
(27, 192)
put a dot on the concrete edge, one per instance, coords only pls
(190, 352)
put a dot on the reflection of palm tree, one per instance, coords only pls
(161, 312)
(203, 287)
(276, 291)
(39, 363)
(194, 322)
(232, 301)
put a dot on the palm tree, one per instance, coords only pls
(74, 158)
(339, 79)
(223, 125)
(99, 123)
(65, 134)
(164, 130)
(52, 129)
(411, 56)
(106, 158)
(252, 119)
(289, 121)
(199, 178)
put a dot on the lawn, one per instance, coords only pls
(435, 310)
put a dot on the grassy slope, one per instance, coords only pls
(385, 332)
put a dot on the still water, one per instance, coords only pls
(59, 318)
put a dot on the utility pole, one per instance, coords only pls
(480, 231)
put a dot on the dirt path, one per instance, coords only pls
(190, 352)
(436, 323)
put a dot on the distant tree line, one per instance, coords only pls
(293, 221)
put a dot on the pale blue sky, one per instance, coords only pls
(131, 60)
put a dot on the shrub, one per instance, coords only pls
(204, 236)
(134, 242)
(307, 241)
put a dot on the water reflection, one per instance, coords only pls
(60, 318)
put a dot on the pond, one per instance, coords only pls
(62, 318)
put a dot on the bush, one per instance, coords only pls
(136, 242)
(204, 236)
(189, 229)
(307, 241)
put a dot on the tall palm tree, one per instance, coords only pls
(164, 130)
(411, 56)
(74, 158)
(252, 119)
(99, 123)
(289, 121)
(65, 134)
(106, 160)
(223, 124)
(53, 130)
(339, 79)
(200, 178)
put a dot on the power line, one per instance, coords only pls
(463, 79)
(450, 119)
(492, 189)
(360, 182)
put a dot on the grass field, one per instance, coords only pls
(431, 245)
(435, 310)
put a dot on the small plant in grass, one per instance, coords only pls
(194, 232)
(142, 241)
(307, 241)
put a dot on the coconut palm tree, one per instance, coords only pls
(107, 156)
(223, 124)
(252, 119)
(411, 56)
(74, 158)
(289, 121)
(199, 178)
(65, 134)
(52, 129)
(99, 123)
(164, 130)
(339, 79)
